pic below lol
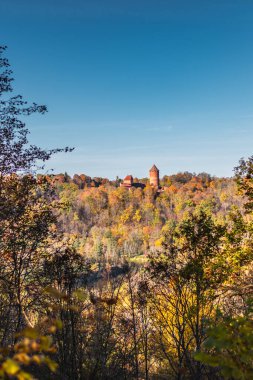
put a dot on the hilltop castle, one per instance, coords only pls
(154, 181)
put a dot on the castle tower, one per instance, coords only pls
(154, 176)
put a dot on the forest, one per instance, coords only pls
(101, 282)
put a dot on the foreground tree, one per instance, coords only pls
(192, 266)
(229, 342)
(26, 213)
(244, 178)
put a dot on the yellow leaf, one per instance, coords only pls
(22, 358)
(10, 367)
(24, 376)
(36, 359)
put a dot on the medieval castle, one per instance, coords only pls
(153, 180)
(84, 181)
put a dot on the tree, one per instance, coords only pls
(191, 263)
(27, 213)
(244, 178)
(229, 347)
(66, 271)
(229, 342)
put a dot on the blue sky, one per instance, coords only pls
(132, 83)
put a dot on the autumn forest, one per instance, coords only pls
(98, 281)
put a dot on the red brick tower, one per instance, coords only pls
(154, 176)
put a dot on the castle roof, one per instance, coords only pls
(128, 178)
(154, 169)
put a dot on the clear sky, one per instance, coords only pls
(130, 83)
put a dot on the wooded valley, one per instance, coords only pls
(102, 282)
